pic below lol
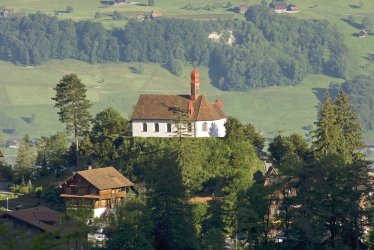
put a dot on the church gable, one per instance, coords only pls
(154, 115)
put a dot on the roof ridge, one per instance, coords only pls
(198, 113)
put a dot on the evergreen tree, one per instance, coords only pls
(25, 160)
(349, 125)
(73, 106)
(327, 134)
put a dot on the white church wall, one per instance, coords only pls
(213, 129)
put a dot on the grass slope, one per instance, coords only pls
(26, 94)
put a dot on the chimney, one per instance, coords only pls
(190, 108)
(219, 103)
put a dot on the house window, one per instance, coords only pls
(157, 127)
(189, 127)
(168, 128)
(205, 126)
(145, 127)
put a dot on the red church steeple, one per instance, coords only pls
(195, 84)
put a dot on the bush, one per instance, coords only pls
(98, 15)
(117, 16)
(69, 9)
(22, 189)
(80, 214)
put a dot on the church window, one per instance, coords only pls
(144, 127)
(157, 127)
(205, 126)
(168, 128)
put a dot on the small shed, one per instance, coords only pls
(362, 34)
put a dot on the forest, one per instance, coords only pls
(265, 50)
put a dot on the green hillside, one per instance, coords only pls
(25, 92)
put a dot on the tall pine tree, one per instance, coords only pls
(327, 134)
(73, 106)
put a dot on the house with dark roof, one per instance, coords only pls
(36, 219)
(166, 115)
(279, 6)
(99, 189)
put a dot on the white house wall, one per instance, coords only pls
(214, 129)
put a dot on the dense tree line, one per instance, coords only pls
(36, 38)
(266, 50)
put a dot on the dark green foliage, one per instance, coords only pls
(282, 147)
(6, 172)
(361, 91)
(235, 130)
(338, 129)
(367, 24)
(50, 195)
(36, 38)
(25, 160)
(268, 49)
(51, 153)
(80, 214)
(108, 128)
(98, 15)
(73, 106)
(327, 134)
(131, 225)
(330, 199)
(69, 9)
(116, 15)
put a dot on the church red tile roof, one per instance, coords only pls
(166, 107)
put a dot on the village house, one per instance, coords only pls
(167, 115)
(4, 13)
(362, 34)
(99, 189)
(35, 220)
(13, 143)
(155, 15)
(278, 6)
(292, 9)
(241, 9)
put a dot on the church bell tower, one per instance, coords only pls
(195, 84)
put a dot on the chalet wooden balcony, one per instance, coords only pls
(112, 195)
(86, 196)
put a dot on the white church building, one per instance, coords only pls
(162, 115)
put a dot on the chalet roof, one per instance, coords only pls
(167, 107)
(105, 178)
(40, 217)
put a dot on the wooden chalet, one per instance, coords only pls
(95, 188)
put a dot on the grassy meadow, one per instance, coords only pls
(25, 92)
